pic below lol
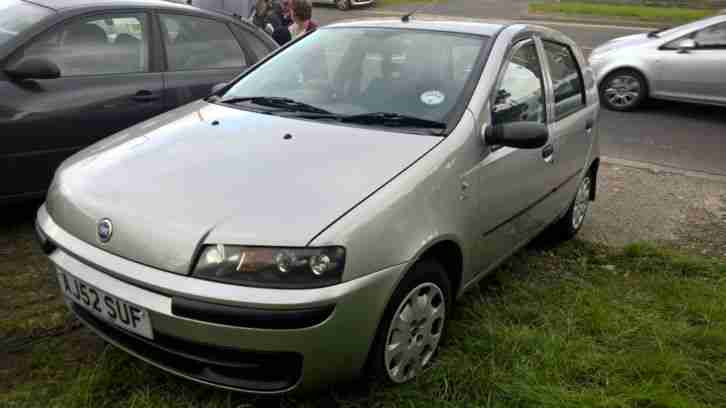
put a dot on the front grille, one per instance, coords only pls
(244, 370)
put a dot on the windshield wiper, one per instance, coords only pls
(286, 104)
(393, 120)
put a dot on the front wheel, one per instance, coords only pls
(413, 324)
(623, 90)
(342, 4)
(569, 225)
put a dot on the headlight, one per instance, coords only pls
(284, 268)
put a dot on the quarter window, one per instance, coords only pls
(197, 43)
(711, 37)
(520, 95)
(114, 44)
(567, 81)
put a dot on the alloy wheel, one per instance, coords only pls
(342, 4)
(622, 91)
(415, 332)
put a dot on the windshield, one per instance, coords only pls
(16, 16)
(683, 28)
(359, 71)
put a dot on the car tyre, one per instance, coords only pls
(342, 4)
(623, 90)
(413, 324)
(570, 224)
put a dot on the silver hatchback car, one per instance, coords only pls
(319, 215)
(684, 63)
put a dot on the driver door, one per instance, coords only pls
(514, 183)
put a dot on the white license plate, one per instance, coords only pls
(106, 306)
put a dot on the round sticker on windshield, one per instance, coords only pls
(432, 98)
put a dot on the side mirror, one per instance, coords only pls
(520, 135)
(218, 87)
(685, 45)
(34, 68)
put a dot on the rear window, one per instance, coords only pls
(16, 16)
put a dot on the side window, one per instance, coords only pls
(258, 48)
(711, 37)
(198, 43)
(520, 95)
(567, 81)
(114, 44)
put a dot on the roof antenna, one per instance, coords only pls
(407, 17)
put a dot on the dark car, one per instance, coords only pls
(75, 71)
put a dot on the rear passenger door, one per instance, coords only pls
(106, 84)
(571, 124)
(200, 52)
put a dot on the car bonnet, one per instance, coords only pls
(216, 174)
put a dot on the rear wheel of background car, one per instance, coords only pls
(342, 4)
(568, 226)
(623, 90)
(413, 324)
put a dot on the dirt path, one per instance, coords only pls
(645, 205)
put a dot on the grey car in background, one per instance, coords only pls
(318, 216)
(684, 63)
(346, 4)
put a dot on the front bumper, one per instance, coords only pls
(323, 336)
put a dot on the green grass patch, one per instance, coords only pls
(675, 15)
(30, 302)
(574, 326)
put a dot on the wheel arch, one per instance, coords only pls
(449, 254)
(446, 250)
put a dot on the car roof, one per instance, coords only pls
(59, 5)
(453, 25)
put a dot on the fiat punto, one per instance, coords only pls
(317, 217)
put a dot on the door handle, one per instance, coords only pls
(146, 96)
(548, 153)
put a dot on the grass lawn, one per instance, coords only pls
(574, 326)
(675, 15)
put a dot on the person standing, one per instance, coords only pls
(269, 18)
(285, 7)
(301, 12)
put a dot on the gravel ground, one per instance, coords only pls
(646, 205)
